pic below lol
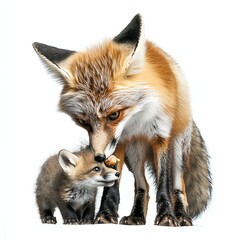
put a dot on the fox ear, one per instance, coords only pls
(55, 59)
(67, 161)
(132, 36)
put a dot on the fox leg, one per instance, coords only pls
(68, 214)
(181, 146)
(135, 161)
(180, 206)
(86, 215)
(165, 212)
(108, 211)
(46, 210)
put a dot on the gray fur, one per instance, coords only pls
(74, 195)
(94, 98)
(197, 176)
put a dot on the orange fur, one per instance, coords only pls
(104, 60)
(136, 81)
(109, 60)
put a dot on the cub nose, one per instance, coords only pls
(117, 174)
(100, 157)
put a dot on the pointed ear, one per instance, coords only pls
(132, 36)
(67, 161)
(55, 59)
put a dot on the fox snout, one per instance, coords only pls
(111, 176)
(97, 146)
(109, 179)
(102, 144)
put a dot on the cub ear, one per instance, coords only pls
(55, 59)
(67, 161)
(132, 36)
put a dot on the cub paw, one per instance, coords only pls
(71, 221)
(86, 221)
(49, 220)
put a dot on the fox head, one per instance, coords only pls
(98, 88)
(84, 169)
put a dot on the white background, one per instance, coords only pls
(203, 36)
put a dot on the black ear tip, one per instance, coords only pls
(53, 54)
(136, 21)
(131, 33)
(37, 46)
(138, 17)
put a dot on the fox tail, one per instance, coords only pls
(197, 175)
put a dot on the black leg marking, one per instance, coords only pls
(46, 209)
(183, 218)
(68, 214)
(47, 217)
(88, 214)
(71, 221)
(108, 212)
(165, 214)
(137, 216)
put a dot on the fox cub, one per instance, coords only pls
(69, 181)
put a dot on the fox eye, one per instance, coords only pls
(96, 169)
(113, 116)
(83, 122)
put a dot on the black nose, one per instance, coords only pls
(117, 174)
(100, 157)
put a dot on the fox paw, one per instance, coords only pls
(49, 220)
(86, 221)
(102, 218)
(130, 220)
(71, 221)
(184, 220)
(166, 220)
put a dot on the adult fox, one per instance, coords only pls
(132, 99)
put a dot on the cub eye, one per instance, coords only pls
(113, 116)
(96, 169)
(83, 122)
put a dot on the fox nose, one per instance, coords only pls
(100, 157)
(117, 174)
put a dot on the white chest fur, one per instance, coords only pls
(79, 196)
(149, 120)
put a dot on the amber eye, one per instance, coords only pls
(96, 169)
(113, 116)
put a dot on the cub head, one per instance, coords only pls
(98, 88)
(82, 168)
